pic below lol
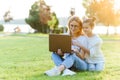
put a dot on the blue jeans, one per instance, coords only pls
(96, 66)
(69, 61)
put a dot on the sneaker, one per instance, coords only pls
(68, 72)
(53, 72)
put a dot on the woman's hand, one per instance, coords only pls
(59, 52)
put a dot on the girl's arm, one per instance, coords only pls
(82, 47)
(80, 54)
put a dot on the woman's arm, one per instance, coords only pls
(59, 52)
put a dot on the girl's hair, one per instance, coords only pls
(90, 21)
(76, 19)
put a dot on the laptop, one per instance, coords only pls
(60, 41)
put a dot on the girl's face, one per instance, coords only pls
(74, 27)
(87, 28)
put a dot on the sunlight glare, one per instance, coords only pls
(117, 5)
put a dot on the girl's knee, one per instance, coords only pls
(99, 69)
(91, 69)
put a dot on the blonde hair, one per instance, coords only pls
(90, 21)
(76, 19)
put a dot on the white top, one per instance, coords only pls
(94, 45)
(81, 40)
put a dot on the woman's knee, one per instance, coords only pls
(84, 68)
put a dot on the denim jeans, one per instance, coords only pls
(96, 66)
(71, 60)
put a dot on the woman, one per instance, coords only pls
(64, 61)
(94, 56)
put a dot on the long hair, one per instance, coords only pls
(76, 19)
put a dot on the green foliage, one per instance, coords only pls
(34, 19)
(53, 23)
(1, 27)
(41, 19)
(110, 37)
(63, 28)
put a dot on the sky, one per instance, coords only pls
(20, 8)
(62, 7)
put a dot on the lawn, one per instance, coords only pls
(26, 57)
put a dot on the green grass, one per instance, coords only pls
(110, 37)
(26, 57)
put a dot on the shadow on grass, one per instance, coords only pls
(79, 76)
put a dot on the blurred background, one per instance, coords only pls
(51, 16)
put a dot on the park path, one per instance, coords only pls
(5, 34)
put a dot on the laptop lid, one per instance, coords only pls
(60, 41)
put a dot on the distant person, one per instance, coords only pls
(65, 61)
(17, 29)
(94, 56)
(72, 12)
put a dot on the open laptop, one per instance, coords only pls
(60, 41)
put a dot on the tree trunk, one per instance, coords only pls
(64, 29)
(115, 29)
(107, 30)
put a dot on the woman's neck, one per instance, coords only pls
(75, 35)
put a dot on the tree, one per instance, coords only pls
(116, 20)
(53, 23)
(7, 16)
(1, 27)
(33, 19)
(44, 15)
(41, 18)
(38, 18)
(103, 10)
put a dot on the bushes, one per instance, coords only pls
(60, 30)
(1, 27)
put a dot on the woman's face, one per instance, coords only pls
(74, 27)
(87, 28)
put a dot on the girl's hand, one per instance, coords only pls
(76, 43)
(80, 54)
(76, 51)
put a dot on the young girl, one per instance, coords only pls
(94, 58)
(93, 54)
